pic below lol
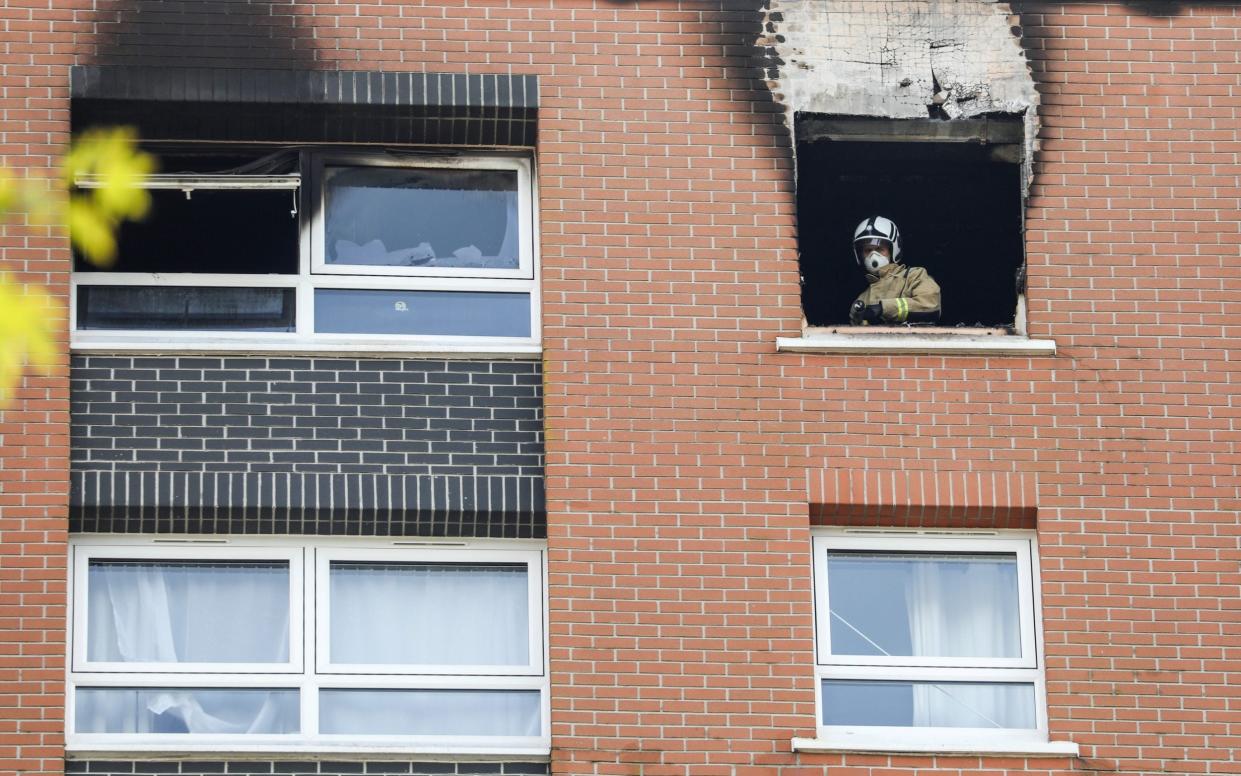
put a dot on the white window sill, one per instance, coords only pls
(931, 340)
(223, 343)
(872, 745)
(155, 751)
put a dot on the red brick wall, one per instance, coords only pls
(35, 53)
(681, 629)
(1133, 244)
(679, 440)
(678, 534)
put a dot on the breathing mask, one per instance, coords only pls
(874, 261)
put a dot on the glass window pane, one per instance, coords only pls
(141, 611)
(185, 309)
(461, 313)
(183, 710)
(410, 217)
(929, 704)
(430, 712)
(923, 604)
(429, 614)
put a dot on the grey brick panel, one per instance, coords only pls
(326, 415)
(337, 446)
(280, 503)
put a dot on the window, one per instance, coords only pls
(954, 189)
(325, 646)
(314, 250)
(926, 641)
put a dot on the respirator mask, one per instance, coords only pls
(875, 261)
(871, 257)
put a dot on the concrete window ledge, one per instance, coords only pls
(1018, 749)
(887, 340)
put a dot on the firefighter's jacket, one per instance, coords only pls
(908, 294)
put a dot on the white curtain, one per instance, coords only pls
(430, 712)
(509, 248)
(977, 705)
(170, 612)
(429, 614)
(966, 606)
(158, 711)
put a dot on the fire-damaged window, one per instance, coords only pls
(952, 191)
(301, 249)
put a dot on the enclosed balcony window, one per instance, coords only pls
(289, 249)
(306, 646)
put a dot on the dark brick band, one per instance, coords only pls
(280, 503)
(177, 103)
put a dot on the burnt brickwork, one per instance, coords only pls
(197, 104)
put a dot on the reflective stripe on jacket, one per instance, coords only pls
(903, 291)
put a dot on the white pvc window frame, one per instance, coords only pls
(312, 275)
(310, 557)
(1026, 669)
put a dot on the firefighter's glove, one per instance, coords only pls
(861, 312)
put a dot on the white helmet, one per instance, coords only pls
(876, 229)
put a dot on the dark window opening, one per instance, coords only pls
(214, 230)
(957, 202)
(186, 309)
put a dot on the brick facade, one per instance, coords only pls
(679, 442)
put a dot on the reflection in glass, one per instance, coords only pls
(422, 217)
(430, 712)
(165, 710)
(430, 614)
(142, 611)
(923, 604)
(928, 704)
(460, 313)
(185, 308)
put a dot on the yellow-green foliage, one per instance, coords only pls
(29, 317)
(110, 156)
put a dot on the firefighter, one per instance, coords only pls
(897, 293)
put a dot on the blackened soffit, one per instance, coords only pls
(307, 105)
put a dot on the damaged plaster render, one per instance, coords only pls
(899, 59)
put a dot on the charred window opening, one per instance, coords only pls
(317, 246)
(954, 189)
(203, 221)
